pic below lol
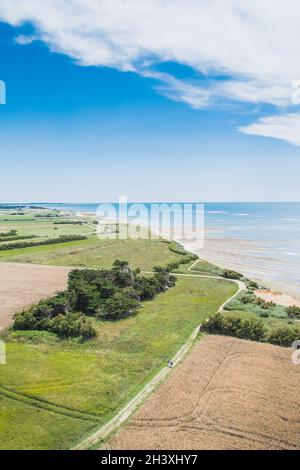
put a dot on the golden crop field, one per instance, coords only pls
(228, 394)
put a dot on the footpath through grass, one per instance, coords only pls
(54, 393)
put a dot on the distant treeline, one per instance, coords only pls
(17, 237)
(69, 222)
(47, 216)
(51, 241)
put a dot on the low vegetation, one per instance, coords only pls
(250, 329)
(250, 317)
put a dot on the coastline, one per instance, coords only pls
(224, 254)
(234, 262)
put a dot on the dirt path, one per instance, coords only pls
(22, 285)
(125, 413)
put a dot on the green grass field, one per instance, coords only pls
(93, 252)
(54, 392)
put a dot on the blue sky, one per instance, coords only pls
(75, 131)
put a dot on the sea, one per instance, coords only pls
(261, 240)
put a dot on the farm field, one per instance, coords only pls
(228, 394)
(24, 285)
(64, 389)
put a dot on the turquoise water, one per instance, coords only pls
(260, 239)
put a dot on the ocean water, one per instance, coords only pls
(262, 240)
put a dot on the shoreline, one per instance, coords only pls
(278, 291)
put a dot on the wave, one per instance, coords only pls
(216, 212)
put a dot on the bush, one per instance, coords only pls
(253, 285)
(263, 303)
(264, 315)
(293, 312)
(228, 274)
(72, 325)
(233, 326)
(284, 336)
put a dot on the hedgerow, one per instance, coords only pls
(50, 241)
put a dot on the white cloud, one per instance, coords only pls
(285, 127)
(254, 42)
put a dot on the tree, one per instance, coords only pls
(122, 275)
(121, 305)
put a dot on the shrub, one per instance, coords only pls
(253, 285)
(264, 315)
(263, 303)
(284, 336)
(293, 311)
(72, 325)
(25, 320)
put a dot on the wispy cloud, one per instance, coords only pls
(284, 127)
(254, 42)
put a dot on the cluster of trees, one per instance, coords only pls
(103, 294)
(50, 241)
(251, 329)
